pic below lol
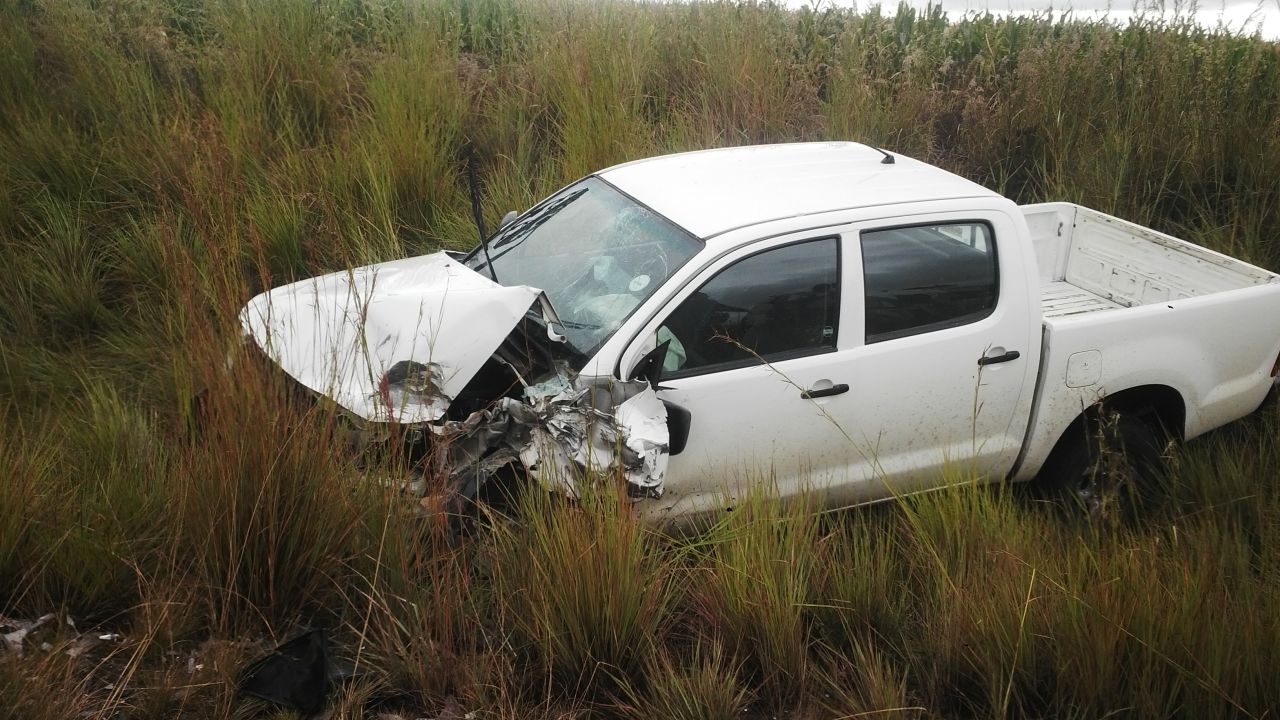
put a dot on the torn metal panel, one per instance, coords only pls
(561, 430)
(480, 368)
(645, 440)
(395, 341)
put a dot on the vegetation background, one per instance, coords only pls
(163, 160)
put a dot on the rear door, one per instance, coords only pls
(941, 383)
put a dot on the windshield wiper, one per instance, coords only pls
(579, 325)
(523, 228)
(520, 230)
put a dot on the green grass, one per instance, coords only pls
(163, 160)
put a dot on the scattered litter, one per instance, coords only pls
(16, 636)
(82, 645)
(22, 628)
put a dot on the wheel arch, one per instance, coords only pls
(1160, 406)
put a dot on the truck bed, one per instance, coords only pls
(1125, 307)
(1092, 262)
(1062, 299)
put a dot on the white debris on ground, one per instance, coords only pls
(17, 636)
(19, 630)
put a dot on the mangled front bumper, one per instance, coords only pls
(561, 434)
(400, 342)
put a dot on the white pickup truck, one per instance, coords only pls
(825, 317)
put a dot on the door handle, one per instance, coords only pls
(992, 360)
(824, 392)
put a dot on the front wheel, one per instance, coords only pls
(1110, 468)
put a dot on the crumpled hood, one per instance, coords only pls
(340, 334)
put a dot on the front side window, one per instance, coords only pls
(927, 277)
(773, 305)
(594, 251)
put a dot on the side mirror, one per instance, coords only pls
(509, 218)
(649, 368)
(679, 419)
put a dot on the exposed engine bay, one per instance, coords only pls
(480, 369)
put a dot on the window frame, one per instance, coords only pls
(838, 240)
(868, 339)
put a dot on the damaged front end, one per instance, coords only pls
(480, 370)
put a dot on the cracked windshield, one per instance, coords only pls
(595, 252)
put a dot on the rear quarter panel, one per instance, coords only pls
(1216, 350)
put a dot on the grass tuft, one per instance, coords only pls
(585, 589)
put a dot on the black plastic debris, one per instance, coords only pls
(297, 675)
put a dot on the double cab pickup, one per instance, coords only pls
(822, 317)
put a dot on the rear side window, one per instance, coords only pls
(777, 304)
(928, 277)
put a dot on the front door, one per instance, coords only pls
(755, 356)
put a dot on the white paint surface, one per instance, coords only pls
(338, 334)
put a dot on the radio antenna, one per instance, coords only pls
(473, 182)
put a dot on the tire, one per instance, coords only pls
(1109, 468)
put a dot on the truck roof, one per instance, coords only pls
(709, 192)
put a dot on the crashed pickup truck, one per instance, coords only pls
(824, 318)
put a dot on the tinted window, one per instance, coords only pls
(776, 304)
(927, 278)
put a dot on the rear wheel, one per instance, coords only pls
(1111, 469)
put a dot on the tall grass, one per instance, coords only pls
(163, 160)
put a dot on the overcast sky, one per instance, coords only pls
(1235, 14)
